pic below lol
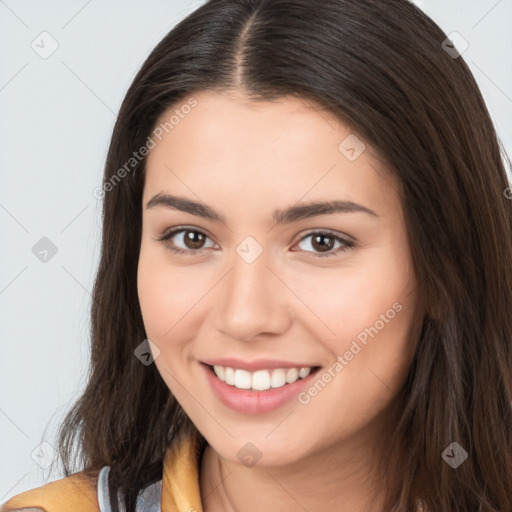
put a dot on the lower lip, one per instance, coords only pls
(255, 402)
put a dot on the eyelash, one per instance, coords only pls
(349, 244)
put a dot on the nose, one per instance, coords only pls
(252, 301)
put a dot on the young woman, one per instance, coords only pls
(304, 294)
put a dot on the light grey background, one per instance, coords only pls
(56, 117)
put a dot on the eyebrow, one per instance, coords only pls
(288, 215)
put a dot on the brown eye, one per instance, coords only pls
(323, 243)
(193, 239)
(185, 241)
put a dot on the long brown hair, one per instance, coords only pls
(381, 67)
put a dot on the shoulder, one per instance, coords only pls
(77, 492)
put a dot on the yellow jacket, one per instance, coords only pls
(179, 487)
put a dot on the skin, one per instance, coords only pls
(245, 159)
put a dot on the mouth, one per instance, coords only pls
(260, 380)
(257, 392)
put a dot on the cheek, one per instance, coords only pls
(166, 292)
(172, 301)
(371, 349)
(154, 294)
(348, 300)
(364, 313)
(162, 291)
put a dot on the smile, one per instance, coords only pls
(260, 391)
(260, 380)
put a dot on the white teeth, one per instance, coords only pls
(292, 375)
(260, 380)
(304, 372)
(230, 376)
(242, 379)
(278, 378)
(220, 372)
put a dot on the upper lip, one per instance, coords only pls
(256, 364)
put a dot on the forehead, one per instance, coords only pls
(231, 146)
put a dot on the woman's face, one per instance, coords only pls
(268, 283)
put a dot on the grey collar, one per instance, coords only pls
(148, 500)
